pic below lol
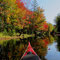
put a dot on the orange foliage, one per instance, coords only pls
(45, 26)
(20, 4)
(30, 15)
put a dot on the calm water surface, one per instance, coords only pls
(47, 48)
(53, 53)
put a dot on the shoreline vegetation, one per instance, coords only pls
(17, 21)
(5, 38)
(14, 37)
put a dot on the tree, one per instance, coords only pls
(2, 15)
(17, 16)
(10, 17)
(51, 27)
(58, 23)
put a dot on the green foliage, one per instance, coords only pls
(5, 32)
(15, 18)
(57, 20)
(51, 27)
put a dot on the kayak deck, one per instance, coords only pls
(30, 54)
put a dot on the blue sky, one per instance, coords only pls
(51, 9)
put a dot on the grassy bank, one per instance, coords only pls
(26, 35)
(6, 37)
(2, 36)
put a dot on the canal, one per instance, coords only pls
(47, 48)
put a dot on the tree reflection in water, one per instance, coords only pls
(58, 43)
(14, 49)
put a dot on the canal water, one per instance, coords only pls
(47, 48)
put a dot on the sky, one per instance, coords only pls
(51, 9)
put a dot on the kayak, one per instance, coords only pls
(30, 54)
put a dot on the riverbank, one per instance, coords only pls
(6, 38)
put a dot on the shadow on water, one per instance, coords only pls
(58, 43)
(14, 49)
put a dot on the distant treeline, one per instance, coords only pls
(58, 24)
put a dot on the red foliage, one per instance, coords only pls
(28, 12)
(32, 16)
(24, 17)
(20, 4)
(45, 26)
(29, 22)
(46, 42)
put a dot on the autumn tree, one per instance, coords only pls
(17, 16)
(13, 15)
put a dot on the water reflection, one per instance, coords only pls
(14, 49)
(51, 39)
(58, 43)
(53, 53)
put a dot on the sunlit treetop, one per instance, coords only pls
(29, 4)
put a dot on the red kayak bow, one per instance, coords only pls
(29, 49)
